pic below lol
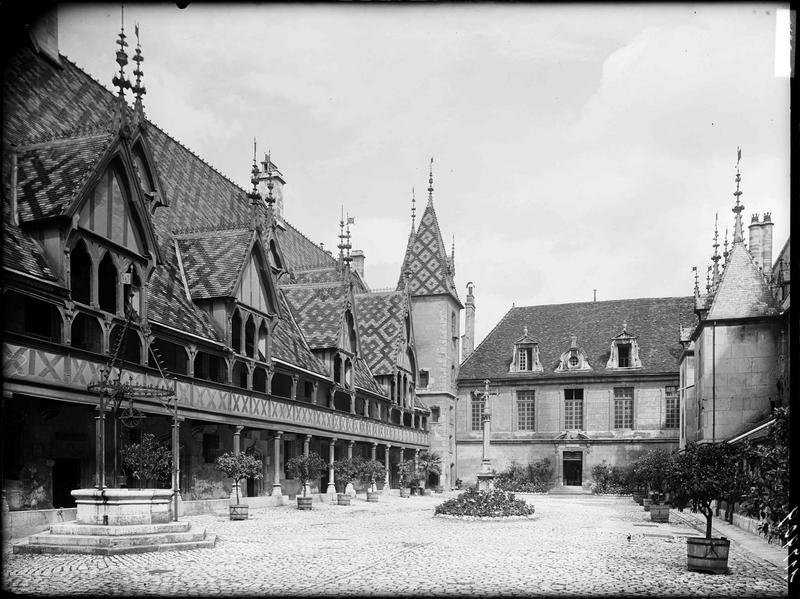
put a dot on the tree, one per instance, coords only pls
(702, 473)
(429, 462)
(371, 470)
(305, 468)
(654, 469)
(239, 466)
(344, 471)
(405, 471)
(148, 460)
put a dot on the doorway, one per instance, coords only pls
(573, 468)
(66, 477)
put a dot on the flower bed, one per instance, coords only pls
(484, 505)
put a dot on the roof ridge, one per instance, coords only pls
(475, 351)
(185, 232)
(319, 249)
(626, 300)
(320, 284)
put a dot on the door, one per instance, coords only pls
(573, 468)
(66, 477)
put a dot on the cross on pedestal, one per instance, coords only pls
(485, 476)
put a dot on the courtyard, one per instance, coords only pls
(575, 546)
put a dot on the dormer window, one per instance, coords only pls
(624, 351)
(574, 358)
(526, 354)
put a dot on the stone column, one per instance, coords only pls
(276, 471)
(315, 384)
(350, 445)
(374, 451)
(306, 449)
(331, 482)
(386, 465)
(237, 434)
(295, 379)
(177, 504)
(416, 464)
(352, 403)
(350, 489)
(373, 487)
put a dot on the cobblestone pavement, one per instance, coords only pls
(576, 546)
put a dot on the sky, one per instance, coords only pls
(576, 147)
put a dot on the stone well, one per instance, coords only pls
(123, 506)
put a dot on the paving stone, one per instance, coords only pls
(575, 546)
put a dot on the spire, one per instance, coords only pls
(738, 235)
(708, 279)
(255, 197)
(344, 240)
(453, 257)
(119, 80)
(715, 257)
(413, 209)
(430, 185)
(725, 246)
(696, 283)
(138, 89)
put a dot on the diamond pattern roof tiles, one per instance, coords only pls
(212, 260)
(656, 322)
(23, 253)
(381, 325)
(318, 311)
(289, 345)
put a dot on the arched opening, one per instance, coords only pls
(80, 266)
(87, 333)
(240, 375)
(129, 347)
(263, 334)
(172, 357)
(250, 337)
(32, 317)
(210, 367)
(337, 369)
(236, 332)
(406, 419)
(260, 380)
(133, 291)
(107, 284)
(348, 373)
(281, 385)
(341, 402)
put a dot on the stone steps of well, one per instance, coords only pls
(76, 528)
(569, 490)
(206, 543)
(48, 538)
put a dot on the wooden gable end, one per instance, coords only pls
(255, 286)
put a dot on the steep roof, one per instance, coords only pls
(743, 291)
(430, 271)
(22, 252)
(213, 259)
(655, 321)
(318, 310)
(381, 328)
(300, 251)
(289, 345)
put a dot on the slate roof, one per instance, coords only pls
(318, 310)
(22, 252)
(381, 328)
(427, 261)
(213, 259)
(50, 174)
(743, 291)
(302, 253)
(289, 345)
(655, 321)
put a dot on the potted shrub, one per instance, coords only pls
(428, 462)
(405, 470)
(305, 468)
(372, 470)
(148, 461)
(699, 475)
(345, 471)
(239, 466)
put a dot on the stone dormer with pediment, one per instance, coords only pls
(526, 355)
(574, 359)
(624, 351)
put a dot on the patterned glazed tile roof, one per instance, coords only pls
(364, 377)
(50, 174)
(212, 260)
(289, 345)
(168, 304)
(655, 321)
(380, 326)
(22, 252)
(301, 252)
(427, 261)
(743, 291)
(318, 310)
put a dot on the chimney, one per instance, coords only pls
(278, 183)
(44, 34)
(468, 340)
(358, 261)
(756, 233)
(573, 341)
(766, 241)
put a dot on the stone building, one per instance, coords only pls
(734, 368)
(429, 273)
(119, 241)
(578, 383)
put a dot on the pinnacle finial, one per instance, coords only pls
(696, 282)
(430, 184)
(119, 80)
(715, 256)
(738, 235)
(138, 89)
(413, 209)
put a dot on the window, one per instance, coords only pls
(172, 357)
(525, 358)
(263, 334)
(477, 413)
(86, 333)
(573, 409)
(260, 380)
(435, 413)
(236, 332)
(249, 337)
(623, 407)
(30, 316)
(673, 407)
(210, 367)
(573, 360)
(424, 375)
(525, 411)
(624, 359)
(107, 284)
(240, 375)
(127, 347)
(80, 266)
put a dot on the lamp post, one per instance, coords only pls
(485, 476)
